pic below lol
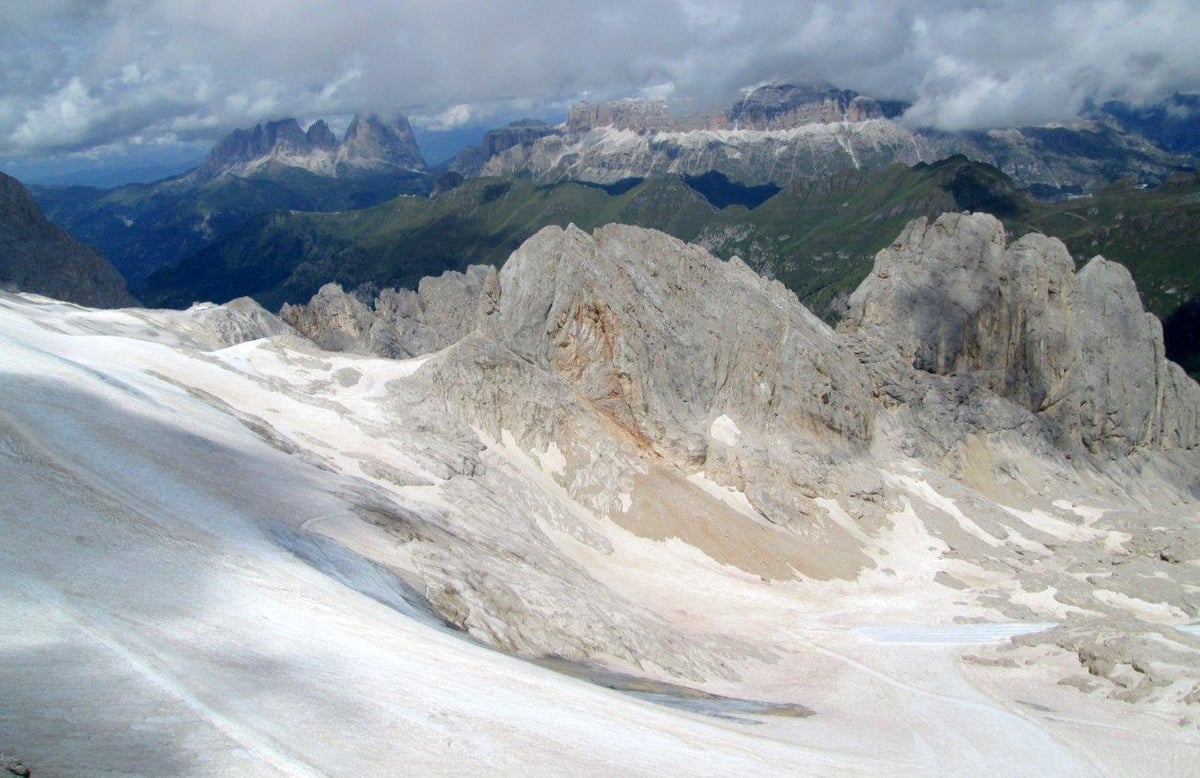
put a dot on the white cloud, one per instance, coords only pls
(454, 116)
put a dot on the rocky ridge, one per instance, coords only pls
(680, 396)
(371, 145)
(783, 132)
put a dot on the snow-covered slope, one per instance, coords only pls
(223, 551)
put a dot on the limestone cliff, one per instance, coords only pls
(953, 298)
(371, 145)
(985, 425)
(782, 132)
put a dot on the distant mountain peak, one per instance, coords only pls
(371, 145)
(320, 136)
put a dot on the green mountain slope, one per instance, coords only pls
(286, 257)
(143, 227)
(817, 237)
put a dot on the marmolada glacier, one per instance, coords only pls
(617, 508)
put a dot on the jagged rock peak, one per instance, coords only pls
(403, 323)
(39, 257)
(953, 298)
(320, 136)
(662, 337)
(243, 146)
(371, 145)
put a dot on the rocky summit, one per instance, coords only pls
(371, 145)
(958, 526)
(780, 133)
(952, 298)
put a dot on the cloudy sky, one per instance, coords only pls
(129, 82)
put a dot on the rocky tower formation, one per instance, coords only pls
(371, 146)
(953, 298)
(36, 256)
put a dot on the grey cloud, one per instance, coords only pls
(86, 75)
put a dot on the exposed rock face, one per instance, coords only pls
(402, 324)
(320, 136)
(649, 332)
(648, 329)
(952, 298)
(36, 256)
(782, 132)
(371, 145)
(785, 106)
(636, 115)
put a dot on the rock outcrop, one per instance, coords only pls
(402, 323)
(237, 321)
(953, 298)
(654, 333)
(36, 256)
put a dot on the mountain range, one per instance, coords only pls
(272, 167)
(777, 135)
(371, 146)
(785, 132)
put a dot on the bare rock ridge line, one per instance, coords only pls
(1077, 349)
(36, 256)
(371, 145)
(771, 107)
(783, 132)
(663, 338)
